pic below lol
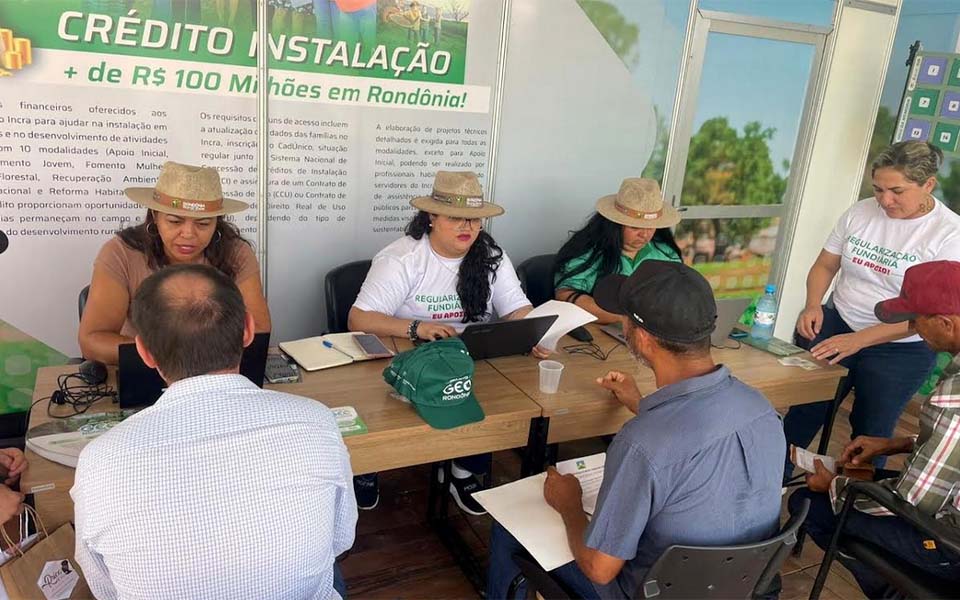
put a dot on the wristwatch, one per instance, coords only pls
(412, 330)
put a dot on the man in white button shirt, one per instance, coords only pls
(220, 489)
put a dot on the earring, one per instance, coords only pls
(154, 232)
(218, 238)
(430, 225)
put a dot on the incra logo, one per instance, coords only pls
(457, 389)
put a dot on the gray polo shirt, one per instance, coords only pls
(701, 464)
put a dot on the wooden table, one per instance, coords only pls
(582, 409)
(397, 436)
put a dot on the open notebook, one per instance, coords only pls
(312, 355)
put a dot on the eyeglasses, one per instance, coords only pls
(460, 222)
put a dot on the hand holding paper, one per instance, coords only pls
(589, 472)
(569, 316)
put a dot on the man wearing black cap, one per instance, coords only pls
(930, 300)
(700, 464)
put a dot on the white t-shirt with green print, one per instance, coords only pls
(876, 250)
(408, 280)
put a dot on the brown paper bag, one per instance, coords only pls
(27, 574)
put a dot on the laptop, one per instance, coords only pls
(505, 338)
(728, 314)
(139, 385)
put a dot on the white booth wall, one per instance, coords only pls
(570, 118)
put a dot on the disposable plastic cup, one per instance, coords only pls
(550, 371)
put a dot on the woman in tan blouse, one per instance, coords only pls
(184, 224)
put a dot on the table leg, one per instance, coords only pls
(843, 388)
(438, 518)
(535, 455)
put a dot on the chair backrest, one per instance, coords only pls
(82, 300)
(341, 287)
(720, 571)
(536, 277)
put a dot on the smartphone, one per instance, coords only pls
(372, 346)
(279, 370)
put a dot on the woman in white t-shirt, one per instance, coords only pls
(869, 250)
(444, 274)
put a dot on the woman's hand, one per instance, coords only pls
(11, 503)
(541, 352)
(434, 331)
(810, 321)
(838, 347)
(13, 460)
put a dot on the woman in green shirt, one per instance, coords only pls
(628, 228)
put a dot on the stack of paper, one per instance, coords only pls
(62, 440)
(521, 509)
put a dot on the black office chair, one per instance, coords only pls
(742, 571)
(536, 278)
(82, 300)
(341, 287)
(909, 580)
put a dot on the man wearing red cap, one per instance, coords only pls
(930, 300)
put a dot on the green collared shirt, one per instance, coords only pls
(586, 279)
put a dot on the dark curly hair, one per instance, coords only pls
(477, 270)
(602, 240)
(218, 252)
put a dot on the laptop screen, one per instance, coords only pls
(139, 385)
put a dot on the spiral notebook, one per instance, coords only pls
(312, 355)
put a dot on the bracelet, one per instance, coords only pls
(412, 330)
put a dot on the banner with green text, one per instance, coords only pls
(367, 99)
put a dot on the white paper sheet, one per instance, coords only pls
(519, 506)
(804, 459)
(569, 316)
(589, 470)
(521, 509)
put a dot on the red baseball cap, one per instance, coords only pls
(931, 288)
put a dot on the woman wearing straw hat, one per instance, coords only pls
(184, 224)
(445, 273)
(628, 228)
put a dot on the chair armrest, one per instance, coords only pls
(944, 534)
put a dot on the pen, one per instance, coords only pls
(332, 347)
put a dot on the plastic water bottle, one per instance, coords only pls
(766, 314)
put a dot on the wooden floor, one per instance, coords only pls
(396, 555)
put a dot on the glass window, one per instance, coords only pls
(735, 255)
(750, 102)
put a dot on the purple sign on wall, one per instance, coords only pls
(951, 105)
(917, 129)
(933, 69)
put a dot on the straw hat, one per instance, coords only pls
(457, 194)
(638, 203)
(186, 191)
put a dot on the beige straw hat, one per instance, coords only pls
(186, 191)
(457, 194)
(638, 203)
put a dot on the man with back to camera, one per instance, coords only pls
(220, 489)
(700, 463)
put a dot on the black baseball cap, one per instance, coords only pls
(668, 299)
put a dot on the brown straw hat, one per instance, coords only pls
(638, 203)
(457, 194)
(186, 191)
